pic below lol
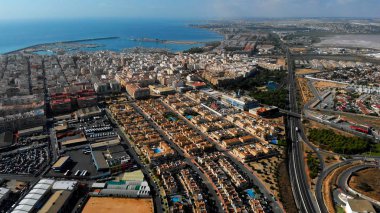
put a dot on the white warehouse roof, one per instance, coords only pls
(64, 185)
(33, 196)
(38, 191)
(46, 181)
(26, 208)
(29, 202)
(42, 186)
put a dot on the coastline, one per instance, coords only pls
(61, 42)
(163, 41)
(172, 43)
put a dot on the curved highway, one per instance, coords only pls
(344, 177)
(322, 176)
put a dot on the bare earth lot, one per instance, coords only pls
(113, 205)
(369, 176)
(363, 41)
(306, 71)
(322, 85)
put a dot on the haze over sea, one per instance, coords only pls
(20, 34)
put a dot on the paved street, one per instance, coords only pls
(188, 160)
(144, 169)
(243, 167)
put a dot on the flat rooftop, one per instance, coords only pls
(133, 176)
(108, 204)
(6, 139)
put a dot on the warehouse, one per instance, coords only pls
(58, 202)
(99, 161)
(61, 163)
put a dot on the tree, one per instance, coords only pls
(328, 139)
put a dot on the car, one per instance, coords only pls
(83, 173)
(67, 172)
(77, 173)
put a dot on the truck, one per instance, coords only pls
(363, 129)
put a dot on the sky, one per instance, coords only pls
(186, 9)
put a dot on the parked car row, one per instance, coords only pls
(102, 134)
(81, 173)
(28, 161)
(101, 129)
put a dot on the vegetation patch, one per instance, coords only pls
(194, 50)
(328, 139)
(253, 86)
(313, 164)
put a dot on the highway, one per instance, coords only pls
(322, 176)
(298, 178)
(336, 57)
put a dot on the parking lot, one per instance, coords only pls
(27, 161)
(32, 139)
(95, 128)
(79, 161)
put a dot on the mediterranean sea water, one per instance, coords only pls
(20, 34)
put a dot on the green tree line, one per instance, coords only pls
(328, 139)
(313, 164)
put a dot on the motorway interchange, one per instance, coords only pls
(306, 200)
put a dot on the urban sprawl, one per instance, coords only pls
(156, 131)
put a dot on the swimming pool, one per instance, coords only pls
(251, 193)
(176, 199)
(157, 150)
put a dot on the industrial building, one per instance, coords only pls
(60, 164)
(264, 111)
(109, 156)
(47, 196)
(57, 203)
(4, 194)
(35, 198)
(243, 103)
(6, 139)
(125, 189)
(88, 112)
(30, 131)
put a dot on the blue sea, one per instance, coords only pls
(20, 34)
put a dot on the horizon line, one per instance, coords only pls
(186, 19)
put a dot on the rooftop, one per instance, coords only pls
(56, 202)
(64, 185)
(359, 205)
(62, 160)
(133, 176)
(100, 160)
